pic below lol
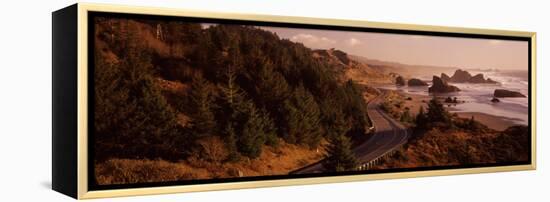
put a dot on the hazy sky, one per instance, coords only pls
(416, 49)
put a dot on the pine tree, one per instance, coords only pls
(355, 107)
(302, 118)
(230, 91)
(130, 110)
(339, 155)
(231, 95)
(330, 108)
(421, 119)
(271, 86)
(243, 118)
(230, 138)
(252, 133)
(436, 112)
(272, 90)
(269, 129)
(201, 106)
(406, 116)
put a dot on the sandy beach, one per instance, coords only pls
(495, 122)
(499, 123)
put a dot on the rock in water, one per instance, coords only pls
(489, 80)
(461, 76)
(400, 81)
(440, 86)
(445, 77)
(507, 93)
(416, 82)
(478, 78)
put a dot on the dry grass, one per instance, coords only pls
(455, 147)
(173, 86)
(272, 161)
(124, 171)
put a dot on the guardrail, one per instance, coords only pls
(369, 164)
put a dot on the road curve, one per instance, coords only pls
(389, 135)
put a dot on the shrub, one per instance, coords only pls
(127, 171)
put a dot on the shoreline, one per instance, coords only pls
(499, 123)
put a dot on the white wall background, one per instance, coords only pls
(25, 99)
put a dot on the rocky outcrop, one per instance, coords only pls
(346, 67)
(416, 82)
(451, 100)
(507, 93)
(334, 56)
(440, 86)
(400, 81)
(445, 77)
(342, 56)
(491, 81)
(478, 78)
(461, 76)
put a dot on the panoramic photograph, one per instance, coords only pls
(179, 101)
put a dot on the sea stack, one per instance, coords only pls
(507, 93)
(461, 76)
(400, 81)
(478, 78)
(489, 80)
(440, 86)
(416, 82)
(445, 77)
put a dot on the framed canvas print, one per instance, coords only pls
(151, 100)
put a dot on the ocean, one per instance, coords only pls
(477, 97)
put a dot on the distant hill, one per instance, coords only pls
(348, 67)
(406, 70)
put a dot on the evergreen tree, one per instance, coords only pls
(406, 116)
(339, 155)
(201, 108)
(230, 91)
(242, 117)
(269, 129)
(230, 138)
(252, 133)
(302, 118)
(271, 86)
(272, 90)
(130, 110)
(436, 112)
(330, 108)
(355, 107)
(421, 119)
(231, 96)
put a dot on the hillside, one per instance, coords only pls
(166, 89)
(444, 147)
(406, 70)
(441, 138)
(349, 68)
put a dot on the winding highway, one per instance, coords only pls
(388, 136)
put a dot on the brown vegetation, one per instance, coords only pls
(443, 139)
(214, 102)
(440, 147)
(272, 161)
